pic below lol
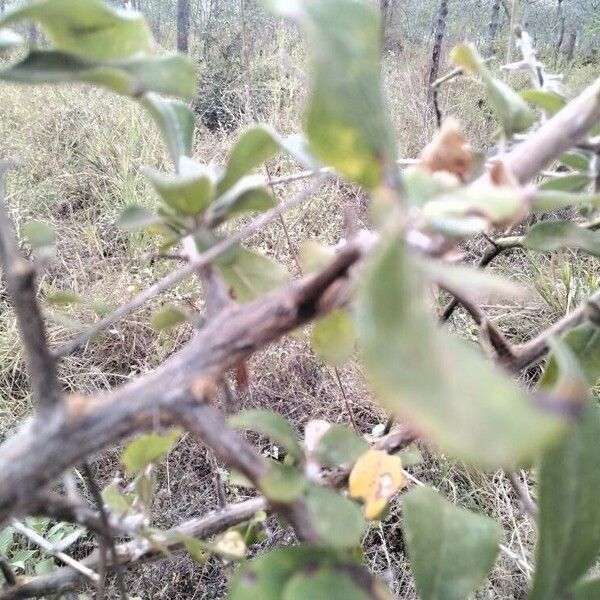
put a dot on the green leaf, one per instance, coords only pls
(134, 218)
(147, 449)
(116, 501)
(587, 590)
(470, 282)
(39, 234)
(314, 256)
(323, 584)
(439, 383)
(145, 487)
(569, 511)
(347, 122)
(451, 549)
(487, 204)
(188, 193)
(566, 183)
(86, 28)
(6, 539)
(551, 200)
(197, 550)
(249, 194)
(550, 102)
(255, 147)
(411, 456)
(176, 123)
(63, 298)
(132, 77)
(265, 577)
(333, 337)
(548, 236)
(250, 274)
(9, 39)
(282, 483)
(270, 424)
(45, 566)
(584, 343)
(578, 161)
(252, 530)
(422, 185)
(339, 445)
(510, 109)
(337, 520)
(168, 317)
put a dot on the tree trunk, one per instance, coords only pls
(183, 25)
(494, 25)
(570, 51)
(32, 33)
(439, 31)
(384, 6)
(561, 31)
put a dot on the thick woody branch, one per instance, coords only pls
(211, 524)
(65, 579)
(530, 352)
(556, 136)
(211, 428)
(20, 279)
(35, 456)
(193, 266)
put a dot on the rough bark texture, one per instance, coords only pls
(439, 31)
(494, 25)
(183, 25)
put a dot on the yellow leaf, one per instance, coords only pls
(375, 478)
(231, 544)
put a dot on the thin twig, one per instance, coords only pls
(485, 260)
(108, 539)
(345, 399)
(49, 548)
(20, 279)
(529, 506)
(175, 277)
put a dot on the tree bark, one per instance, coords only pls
(570, 50)
(439, 31)
(561, 32)
(183, 25)
(494, 25)
(384, 6)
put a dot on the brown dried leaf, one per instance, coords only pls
(449, 151)
(501, 176)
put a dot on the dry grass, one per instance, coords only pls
(81, 151)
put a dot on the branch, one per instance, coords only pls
(529, 506)
(556, 136)
(65, 579)
(20, 279)
(211, 428)
(36, 455)
(106, 534)
(530, 352)
(501, 348)
(202, 260)
(129, 553)
(50, 549)
(485, 260)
